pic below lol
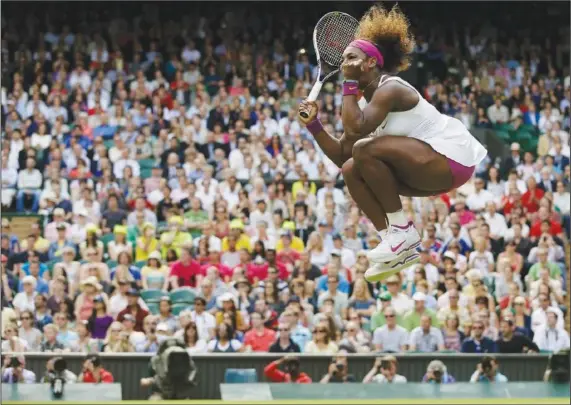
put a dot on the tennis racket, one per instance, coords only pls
(332, 34)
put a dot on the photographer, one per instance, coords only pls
(57, 368)
(338, 371)
(172, 372)
(437, 373)
(487, 371)
(290, 374)
(384, 371)
(93, 372)
(14, 371)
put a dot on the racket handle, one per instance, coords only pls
(313, 95)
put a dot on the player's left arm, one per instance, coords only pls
(358, 123)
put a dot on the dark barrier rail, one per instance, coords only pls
(129, 369)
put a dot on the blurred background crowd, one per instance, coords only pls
(177, 195)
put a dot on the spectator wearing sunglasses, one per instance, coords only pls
(284, 342)
(477, 342)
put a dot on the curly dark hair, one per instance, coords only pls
(389, 31)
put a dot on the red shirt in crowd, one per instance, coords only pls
(530, 204)
(554, 229)
(260, 342)
(140, 316)
(104, 377)
(224, 271)
(186, 272)
(276, 375)
(288, 256)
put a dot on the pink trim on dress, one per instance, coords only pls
(460, 173)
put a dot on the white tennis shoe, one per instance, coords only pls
(399, 241)
(382, 271)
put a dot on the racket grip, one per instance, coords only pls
(314, 91)
(313, 95)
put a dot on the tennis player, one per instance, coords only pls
(395, 142)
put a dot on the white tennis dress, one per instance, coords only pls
(446, 135)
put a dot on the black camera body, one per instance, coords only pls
(487, 365)
(15, 363)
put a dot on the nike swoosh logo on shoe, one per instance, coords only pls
(395, 248)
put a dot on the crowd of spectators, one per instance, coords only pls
(179, 196)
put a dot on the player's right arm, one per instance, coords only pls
(338, 150)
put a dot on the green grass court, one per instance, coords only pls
(440, 401)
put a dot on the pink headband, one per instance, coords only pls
(370, 50)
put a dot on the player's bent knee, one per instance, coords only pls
(360, 151)
(347, 168)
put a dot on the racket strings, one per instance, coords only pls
(334, 32)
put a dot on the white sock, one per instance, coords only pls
(397, 218)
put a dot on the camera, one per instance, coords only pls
(437, 375)
(175, 372)
(486, 365)
(385, 364)
(559, 366)
(15, 363)
(59, 365)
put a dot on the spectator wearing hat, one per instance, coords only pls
(62, 241)
(52, 229)
(378, 319)
(134, 309)
(285, 249)
(297, 243)
(155, 274)
(412, 319)
(175, 237)
(25, 300)
(185, 272)
(512, 161)
(511, 342)
(134, 337)
(145, 241)
(84, 303)
(119, 243)
(78, 230)
(258, 338)
(401, 302)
